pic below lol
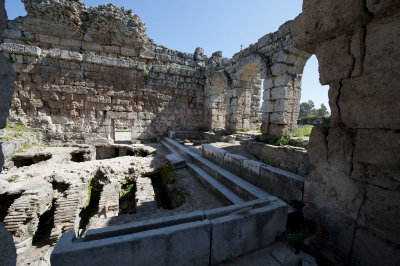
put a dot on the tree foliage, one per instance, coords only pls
(307, 110)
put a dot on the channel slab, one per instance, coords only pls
(242, 188)
(213, 185)
(285, 185)
(240, 233)
(278, 182)
(131, 228)
(184, 244)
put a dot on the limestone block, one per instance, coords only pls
(335, 61)
(267, 107)
(278, 130)
(12, 33)
(281, 118)
(333, 19)
(89, 46)
(49, 39)
(71, 43)
(283, 80)
(265, 118)
(357, 49)
(251, 170)
(286, 106)
(139, 247)
(214, 154)
(279, 68)
(282, 93)
(379, 251)
(371, 94)
(234, 163)
(373, 159)
(382, 7)
(381, 212)
(237, 234)
(20, 49)
(279, 56)
(112, 49)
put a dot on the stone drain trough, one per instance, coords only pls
(197, 238)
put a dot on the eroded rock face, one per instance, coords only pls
(351, 194)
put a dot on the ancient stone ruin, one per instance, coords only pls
(139, 148)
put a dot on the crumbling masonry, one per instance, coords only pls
(79, 73)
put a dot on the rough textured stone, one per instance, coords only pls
(8, 253)
(351, 194)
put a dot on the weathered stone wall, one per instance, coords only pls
(84, 72)
(7, 247)
(354, 192)
(81, 52)
(274, 59)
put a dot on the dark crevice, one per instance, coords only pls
(5, 202)
(46, 224)
(80, 156)
(161, 193)
(109, 152)
(91, 208)
(25, 160)
(127, 200)
(354, 60)
(356, 224)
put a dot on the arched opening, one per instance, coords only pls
(243, 105)
(314, 102)
(217, 105)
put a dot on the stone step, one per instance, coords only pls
(283, 184)
(234, 183)
(208, 181)
(175, 159)
(214, 185)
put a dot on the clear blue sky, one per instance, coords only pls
(213, 25)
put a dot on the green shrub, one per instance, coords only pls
(303, 132)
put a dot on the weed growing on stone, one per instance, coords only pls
(167, 175)
(303, 132)
(13, 179)
(145, 73)
(26, 146)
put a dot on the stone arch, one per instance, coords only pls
(244, 97)
(282, 92)
(254, 59)
(216, 100)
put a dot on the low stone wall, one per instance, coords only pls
(282, 184)
(198, 238)
(292, 159)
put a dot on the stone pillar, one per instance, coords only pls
(353, 193)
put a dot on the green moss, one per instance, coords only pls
(19, 128)
(167, 175)
(27, 145)
(13, 179)
(4, 139)
(244, 129)
(126, 190)
(94, 186)
(177, 196)
(231, 99)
